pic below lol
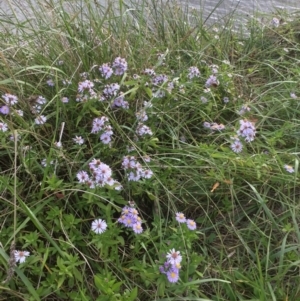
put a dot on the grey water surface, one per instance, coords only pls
(214, 9)
(242, 7)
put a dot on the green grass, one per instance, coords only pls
(246, 205)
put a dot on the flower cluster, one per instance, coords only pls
(119, 66)
(212, 81)
(135, 169)
(159, 79)
(214, 68)
(289, 168)
(150, 72)
(86, 85)
(171, 86)
(111, 90)
(40, 120)
(172, 266)
(101, 125)
(214, 126)
(38, 105)
(45, 162)
(141, 115)
(275, 22)
(247, 130)
(226, 99)
(3, 127)
(120, 102)
(143, 129)
(101, 175)
(193, 72)
(244, 109)
(66, 82)
(84, 75)
(159, 93)
(10, 100)
(106, 71)
(130, 219)
(203, 99)
(85, 90)
(50, 82)
(180, 217)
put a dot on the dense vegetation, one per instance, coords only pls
(145, 156)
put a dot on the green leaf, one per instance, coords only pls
(133, 294)
(60, 281)
(116, 287)
(95, 111)
(98, 282)
(121, 240)
(161, 287)
(39, 67)
(148, 92)
(41, 227)
(77, 274)
(200, 281)
(151, 196)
